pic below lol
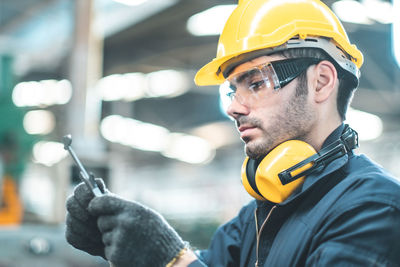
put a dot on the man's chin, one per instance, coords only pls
(256, 150)
(253, 153)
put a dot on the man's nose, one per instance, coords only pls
(237, 108)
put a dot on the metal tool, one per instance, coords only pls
(87, 178)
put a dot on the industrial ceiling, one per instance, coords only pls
(154, 37)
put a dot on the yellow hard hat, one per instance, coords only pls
(267, 26)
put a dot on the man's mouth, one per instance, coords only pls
(246, 131)
(248, 128)
(244, 128)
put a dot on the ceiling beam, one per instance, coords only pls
(29, 14)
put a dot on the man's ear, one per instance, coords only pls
(325, 81)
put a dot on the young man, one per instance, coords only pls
(289, 71)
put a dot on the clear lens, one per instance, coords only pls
(246, 87)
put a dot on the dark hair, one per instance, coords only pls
(345, 91)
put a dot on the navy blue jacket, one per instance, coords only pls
(348, 214)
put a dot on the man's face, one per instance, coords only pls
(271, 117)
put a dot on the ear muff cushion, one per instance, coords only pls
(279, 159)
(249, 168)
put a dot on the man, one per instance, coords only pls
(289, 72)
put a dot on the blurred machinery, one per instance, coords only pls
(38, 246)
(11, 209)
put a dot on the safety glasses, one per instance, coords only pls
(251, 85)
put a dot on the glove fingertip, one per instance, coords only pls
(104, 205)
(96, 205)
(70, 203)
(82, 194)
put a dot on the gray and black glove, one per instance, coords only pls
(82, 231)
(133, 234)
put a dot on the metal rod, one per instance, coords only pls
(85, 177)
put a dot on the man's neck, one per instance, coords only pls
(318, 135)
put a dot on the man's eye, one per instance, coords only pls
(231, 95)
(257, 85)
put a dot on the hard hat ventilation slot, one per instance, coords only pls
(311, 40)
(344, 52)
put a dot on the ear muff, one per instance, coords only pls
(260, 178)
(281, 171)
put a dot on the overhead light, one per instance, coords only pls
(367, 125)
(145, 136)
(109, 87)
(380, 11)
(127, 87)
(150, 137)
(112, 128)
(218, 134)
(39, 122)
(210, 21)
(351, 11)
(134, 86)
(190, 149)
(130, 2)
(48, 153)
(134, 133)
(364, 12)
(42, 93)
(113, 17)
(27, 93)
(396, 32)
(167, 83)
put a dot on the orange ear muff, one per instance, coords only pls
(260, 178)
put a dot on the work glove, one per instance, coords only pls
(133, 234)
(82, 231)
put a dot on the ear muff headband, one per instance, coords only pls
(278, 174)
(347, 142)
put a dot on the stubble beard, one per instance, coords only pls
(293, 122)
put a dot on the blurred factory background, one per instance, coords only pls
(118, 76)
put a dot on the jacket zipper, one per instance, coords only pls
(259, 232)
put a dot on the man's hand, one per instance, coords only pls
(82, 231)
(134, 235)
(185, 259)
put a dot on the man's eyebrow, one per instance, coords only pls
(245, 75)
